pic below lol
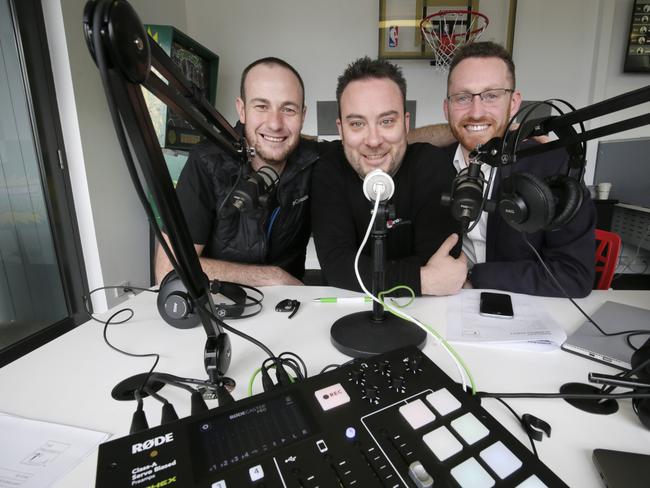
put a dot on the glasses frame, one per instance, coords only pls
(480, 95)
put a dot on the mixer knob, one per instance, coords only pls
(371, 393)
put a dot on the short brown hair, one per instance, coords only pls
(272, 62)
(485, 49)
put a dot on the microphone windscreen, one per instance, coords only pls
(377, 182)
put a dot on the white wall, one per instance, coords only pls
(319, 38)
(113, 227)
(574, 50)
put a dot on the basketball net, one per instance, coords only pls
(447, 30)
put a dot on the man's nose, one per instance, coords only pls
(476, 108)
(374, 137)
(274, 120)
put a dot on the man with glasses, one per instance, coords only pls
(481, 99)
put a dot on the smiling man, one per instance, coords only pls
(481, 99)
(267, 245)
(373, 125)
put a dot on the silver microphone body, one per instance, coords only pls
(378, 182)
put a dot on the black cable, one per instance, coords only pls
(566, 396)
(530, 437)
(88, 301)
(329, 366)
(242, 335)
(561, 288)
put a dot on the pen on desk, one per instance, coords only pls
(343, 300)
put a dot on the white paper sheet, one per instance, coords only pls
(34, 454)
(531, 328)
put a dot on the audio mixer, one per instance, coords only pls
(393, 420)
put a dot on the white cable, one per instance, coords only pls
(461, 371)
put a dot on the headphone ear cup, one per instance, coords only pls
(531, 205)
(569, 195)
(174, 303)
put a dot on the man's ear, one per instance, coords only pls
(445, 109)
(515, 103)
(339, 127)
(407, 121)
(241, 109)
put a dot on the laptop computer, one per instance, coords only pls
(587, 341)
(620, 469)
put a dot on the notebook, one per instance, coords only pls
(622, 469)
(587, 341)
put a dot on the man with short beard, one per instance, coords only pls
(481, 99)
(373, 125)
(265, 246)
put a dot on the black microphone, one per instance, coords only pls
(256, 190)
(466, 198)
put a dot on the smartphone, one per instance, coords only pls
(496, 305)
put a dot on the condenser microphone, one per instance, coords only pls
(256, 190)
(378, 182)
(466, 198)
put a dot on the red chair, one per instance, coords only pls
(608, 247)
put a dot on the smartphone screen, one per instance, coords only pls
(496, 305)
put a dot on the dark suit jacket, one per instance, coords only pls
(569, 252)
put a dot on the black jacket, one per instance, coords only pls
(569, 252)
(276, 235)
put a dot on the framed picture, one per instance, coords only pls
(399, 25)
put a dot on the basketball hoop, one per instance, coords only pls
(447, 30)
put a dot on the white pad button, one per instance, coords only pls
(502, 461)
(469, 428)
(442, 443)
(470, 474)
(532, 482)
(443, 401)
(417, 414)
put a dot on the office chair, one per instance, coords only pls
(608, 248)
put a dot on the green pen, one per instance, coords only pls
(343, 300)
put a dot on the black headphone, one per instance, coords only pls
(176, 308)
(642, 405)
(529, 203)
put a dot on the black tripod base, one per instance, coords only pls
(125, 389)
(359, 336)
(600, 407)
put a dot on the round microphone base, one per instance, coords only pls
(601, 407)
(125, 389)
(358, 335)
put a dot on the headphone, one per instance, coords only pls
(642, 405)
(529, 203)
(176, 308)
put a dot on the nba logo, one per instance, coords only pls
(393, 34)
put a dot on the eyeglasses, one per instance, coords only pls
(488, 97)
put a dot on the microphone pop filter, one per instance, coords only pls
(377, 182)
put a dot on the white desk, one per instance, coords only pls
(70, 379)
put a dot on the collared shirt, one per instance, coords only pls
(474, 242)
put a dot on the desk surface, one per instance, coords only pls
(69, 380)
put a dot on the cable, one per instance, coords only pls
(460, 365)
(521, 421)
(629, 333)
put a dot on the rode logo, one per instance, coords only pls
(154, 442)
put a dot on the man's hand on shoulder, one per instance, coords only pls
(443, 274)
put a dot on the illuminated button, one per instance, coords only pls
(350, 432)
(502, 461)
(417, 414)
(532, 482)
(470, 474)
(469, 428)
(256, 473)
(419, 475)
(332, 396)
(219, 484)
(443, 401)
(442, 443)
(320, 444)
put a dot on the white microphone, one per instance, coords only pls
(378, 182)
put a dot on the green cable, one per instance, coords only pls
(430, 329)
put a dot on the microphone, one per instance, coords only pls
(466, 196)
(377, 182)
(256, 190)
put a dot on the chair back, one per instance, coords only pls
(608, 247)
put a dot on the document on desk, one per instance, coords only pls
(531, 328)
(34, 454)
